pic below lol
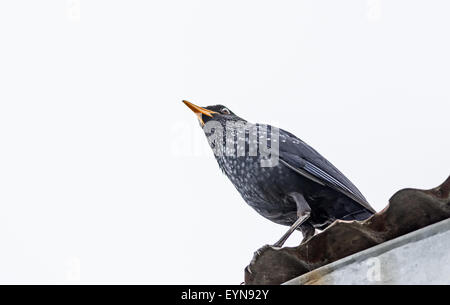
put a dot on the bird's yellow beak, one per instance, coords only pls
(199, 111)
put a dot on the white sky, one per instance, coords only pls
(106, 177)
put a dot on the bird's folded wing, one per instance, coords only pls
(303, 159)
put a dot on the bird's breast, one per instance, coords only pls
(258, 185)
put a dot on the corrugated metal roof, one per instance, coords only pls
(408, 210)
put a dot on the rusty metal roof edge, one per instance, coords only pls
(411, 237)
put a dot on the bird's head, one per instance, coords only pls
(217, 113)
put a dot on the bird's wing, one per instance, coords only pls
(302, 158)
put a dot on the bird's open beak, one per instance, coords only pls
(199, 111)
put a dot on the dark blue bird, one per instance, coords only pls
(280, 176)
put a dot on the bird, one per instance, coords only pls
(280, 176)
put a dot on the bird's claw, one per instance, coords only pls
(260, 250)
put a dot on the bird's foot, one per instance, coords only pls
(262, 249)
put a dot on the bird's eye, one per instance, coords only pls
(225, 111)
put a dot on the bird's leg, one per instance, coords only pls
(307, 231)
(303, 212)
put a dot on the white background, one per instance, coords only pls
(106, 177)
